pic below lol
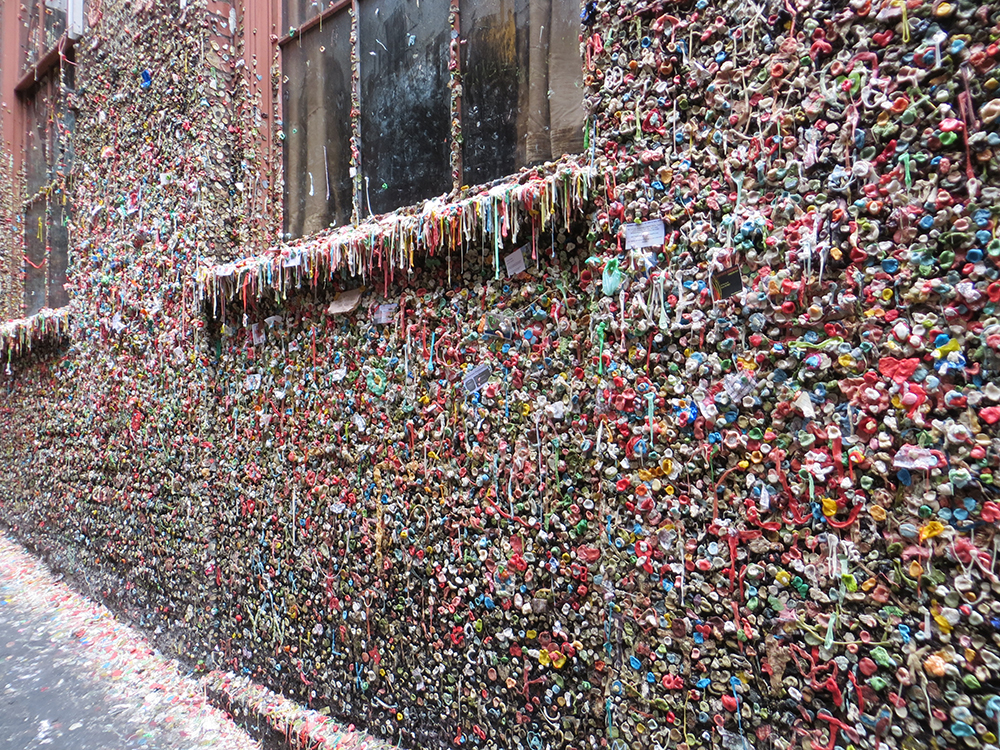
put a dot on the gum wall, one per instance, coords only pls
(734, 489)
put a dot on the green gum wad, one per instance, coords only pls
(882, 658)
(878, 684)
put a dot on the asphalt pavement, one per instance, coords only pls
(47, 701)
(73, 677)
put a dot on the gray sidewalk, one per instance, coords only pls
(72, 676)
(48, 700)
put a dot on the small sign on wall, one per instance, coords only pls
(647, 234)
(476, 378)
(727, 283)
(515, 262)
(384, 313)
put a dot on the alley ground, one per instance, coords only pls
(71, 676)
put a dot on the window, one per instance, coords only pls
(45, 239)
(521, 100)
(46, 155)
(317, 114)
(405, 102)
(45, 24)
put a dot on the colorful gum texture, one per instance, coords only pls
(735, 490)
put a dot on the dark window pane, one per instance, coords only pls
(55, 22)
(298, 12)
(39, 139)
(30, 32)
(317, 124)
(69, 70)
(405, 120)
(58, 247)
(43, 26)
(494, 95)
(565, 84)
(34, 257)
(522, 88)
(65, 125)
(47, 156)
